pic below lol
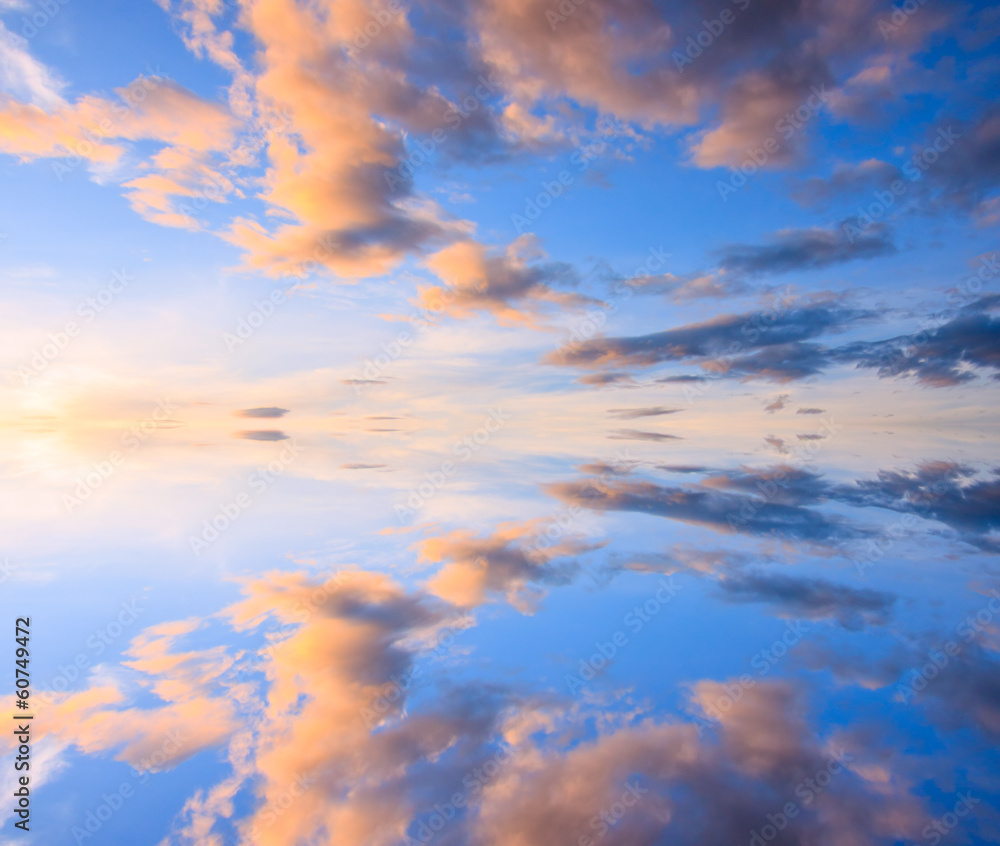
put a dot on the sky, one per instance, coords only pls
(501, 422)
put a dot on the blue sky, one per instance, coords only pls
(449, 435)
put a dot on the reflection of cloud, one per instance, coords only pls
(704, 505)
(193, 712)
(811, 599)
(262, 435)
(935, 490)
(513, 561)
(739, 579)
(331, 733)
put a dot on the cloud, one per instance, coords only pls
(269, 411)
(939, 357)
(636, 413)
(806, 249)
(24, 76)
(512, 286)
(777, 443)
(777, 403)
(614, 377)
(639, 435)
(811, 411)
(716, 337)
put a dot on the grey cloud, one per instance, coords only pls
(270, 411)
(638, 435)
(635, 413)
(813, 599)
(806, 249)
(262, 435)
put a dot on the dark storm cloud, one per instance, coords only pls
(806, 249)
